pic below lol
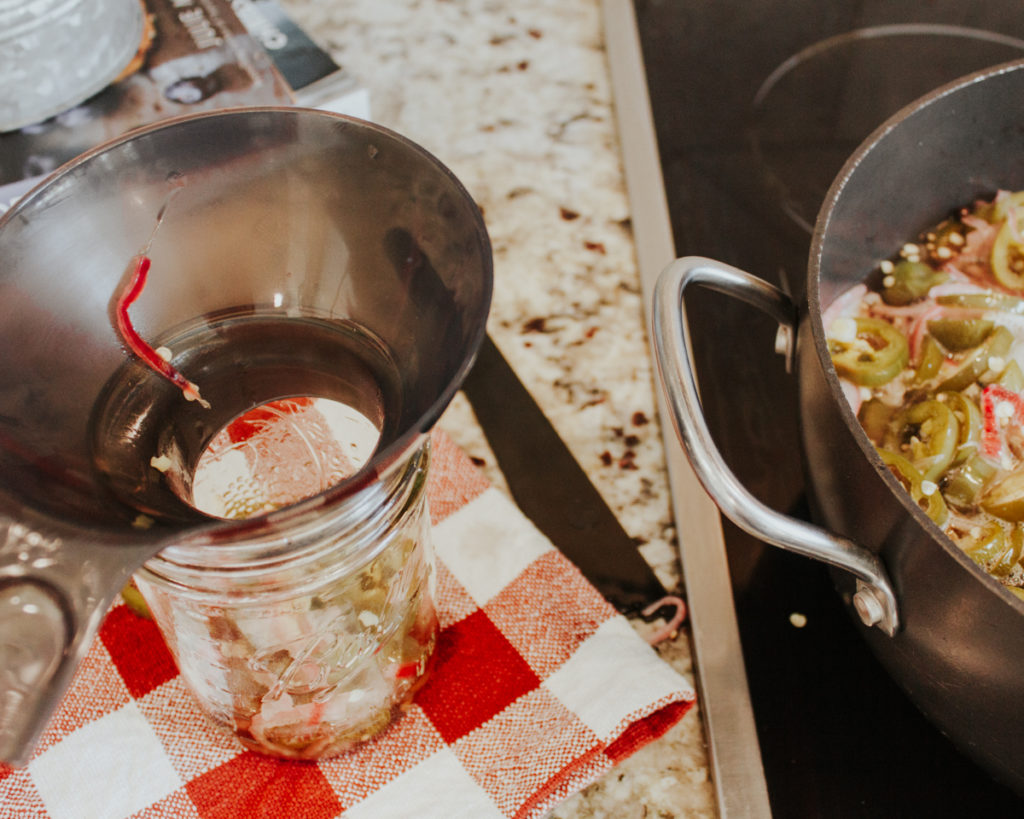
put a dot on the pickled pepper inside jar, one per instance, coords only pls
(303, 640)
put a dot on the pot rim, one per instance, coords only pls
(814, 312)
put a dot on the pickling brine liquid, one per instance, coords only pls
(310, 396)
(302, 640)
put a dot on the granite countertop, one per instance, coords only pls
(516, 100)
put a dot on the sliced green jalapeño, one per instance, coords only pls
(877, 354)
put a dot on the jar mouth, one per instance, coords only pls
(279, 453)
(348, 519)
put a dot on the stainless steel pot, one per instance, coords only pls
(949, 634)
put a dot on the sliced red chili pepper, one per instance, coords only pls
(992, 396)
(667, 631)
(991, 443)
(132, 289)
(316, 712)
(406, 670)
(253, 422)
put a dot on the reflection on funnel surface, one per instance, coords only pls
(279, 453)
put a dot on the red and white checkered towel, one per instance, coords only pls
(538, 689)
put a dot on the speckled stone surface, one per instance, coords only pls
(516, 100)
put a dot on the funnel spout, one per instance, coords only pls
(53, 595)
(34, 637)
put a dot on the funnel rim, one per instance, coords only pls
(385, 458)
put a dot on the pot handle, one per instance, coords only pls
(874, 600)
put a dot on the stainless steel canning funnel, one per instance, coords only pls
(280, 213)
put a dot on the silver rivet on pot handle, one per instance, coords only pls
(869, 604)
(877, 604)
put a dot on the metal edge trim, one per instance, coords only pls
(737, 768)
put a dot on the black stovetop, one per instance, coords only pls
(756, 106)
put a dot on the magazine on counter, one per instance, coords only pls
(196, 55)
(313, 75)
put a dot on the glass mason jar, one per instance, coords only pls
(306, 641)
(292, 254)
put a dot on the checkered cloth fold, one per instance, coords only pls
(538, 689)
